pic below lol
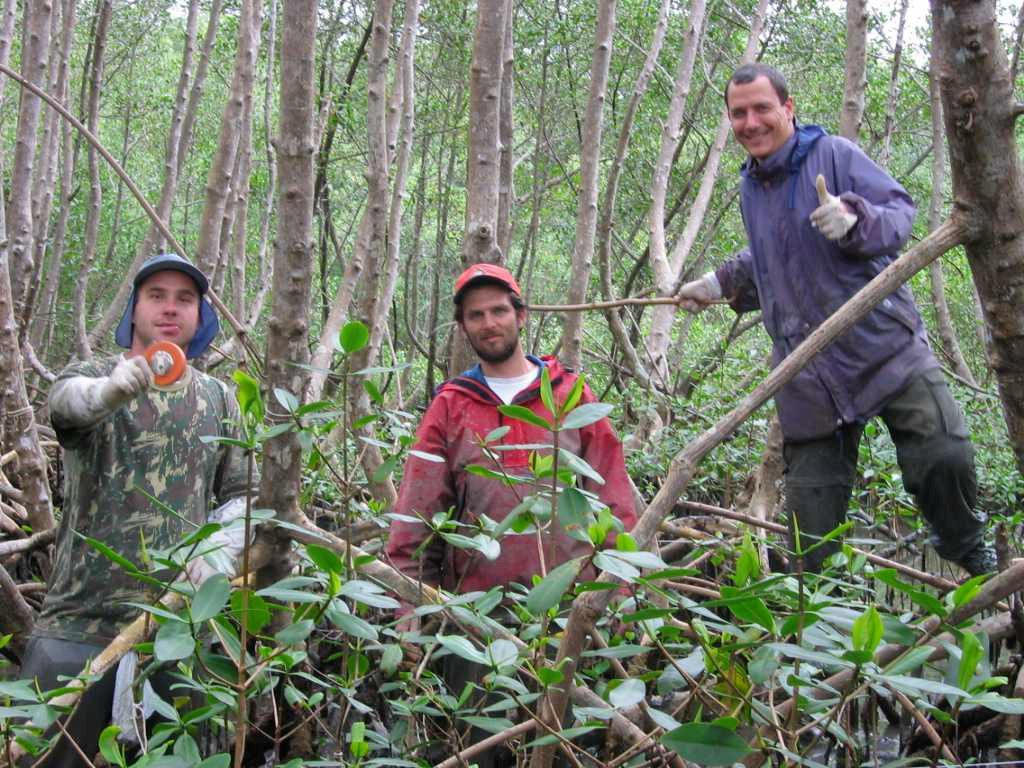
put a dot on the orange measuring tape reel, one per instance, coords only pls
(167, 362)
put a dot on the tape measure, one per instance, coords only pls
(167, 362)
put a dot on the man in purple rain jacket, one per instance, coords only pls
(822, 220)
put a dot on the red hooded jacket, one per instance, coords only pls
(463, 412)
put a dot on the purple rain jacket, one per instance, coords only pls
(798, 278)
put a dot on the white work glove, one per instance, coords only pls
(131, 376)
(220, 551)
(698, 294)
(82, 401)
(832, 218)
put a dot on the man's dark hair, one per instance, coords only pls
(517, 301)
(748, 73)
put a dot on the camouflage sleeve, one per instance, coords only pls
(71, 437)
(232, 479)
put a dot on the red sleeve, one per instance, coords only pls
(603, 451)
(426, 489)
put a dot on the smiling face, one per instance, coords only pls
(761, 122)
(167, 309)
(491, 323)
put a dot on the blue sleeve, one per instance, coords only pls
(885, 212)
(736, 277)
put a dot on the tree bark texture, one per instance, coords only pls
(92, 220)
(891, 105)
(19, 421)
(506, 189)
(483, 167)
(590, 157)
(219, 182)
(57, 152)
(19, 212)
(943, 321)
(855, 79)
(980, 117)
(288, 328)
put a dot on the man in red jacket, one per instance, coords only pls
(490, 310)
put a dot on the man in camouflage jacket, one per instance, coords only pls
(137, 473)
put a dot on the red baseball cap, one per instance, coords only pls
(485, 272)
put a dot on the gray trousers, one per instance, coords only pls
(46, 658)
(934, 455)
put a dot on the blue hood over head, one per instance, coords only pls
(209, 325)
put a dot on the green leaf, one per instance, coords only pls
(706, 744)
(110, 554)
(552, 587)
(351, 625)
(929, 602)
(222, 760)
(627, 693)
(368, 593)
(502, 654)
(572, 509)
(248, 395)
(326, 559)
(211, 597)
(353, 336)
(489, 724)
(109, 748)
(910, 661)
(579, 466)
(997, 703)
(763, 664)
(574, 395)
(546, 395)
(496, 434)
(381, 473)
(521, 413)
(258, 615)
(373, 391)
(462, 648)
(971, 652)
(605, 561)
(550, 676)
(748, 564)
(173, 641)
(587, 414)
(287, 400)
(296, 633)
(867, 631)
(390, 659)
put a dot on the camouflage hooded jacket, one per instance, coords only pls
(134, 481)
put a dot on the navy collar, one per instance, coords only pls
(477, 373)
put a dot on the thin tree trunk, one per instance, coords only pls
(60, 136)
(664, 274)
(506, 190)
(288, 328)
(590, 156)
(92, 221)
(179, 138)
(7, 20)
(19, 421)
(980, 116)
(943, 321)
(19, 212)
(856, 80)
(240, 228)
(1017, 43)
(219, 181)
(890, 111)
(483, 169)
(604, 227)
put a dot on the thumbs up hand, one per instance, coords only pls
(832, 217)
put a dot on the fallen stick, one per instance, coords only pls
(941, 584)
(603, 305)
